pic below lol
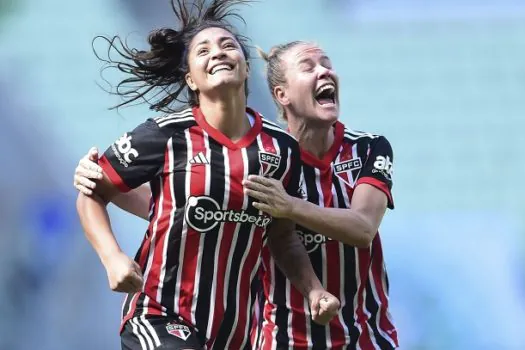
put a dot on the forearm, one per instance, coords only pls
(96, 224)
(135, 202)
(344, 225)
(292, 259)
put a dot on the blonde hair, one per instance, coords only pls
(275, 73)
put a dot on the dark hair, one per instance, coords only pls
(157, 76)
(275, 74)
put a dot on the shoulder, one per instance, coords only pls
(363, 137)
(272, 129)
(174, 121)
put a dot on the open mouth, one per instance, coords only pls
(325, 94)
(221, 67)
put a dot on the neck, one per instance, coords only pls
(316, 140)
(226, 114)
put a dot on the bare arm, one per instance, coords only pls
(123, 273)
(88, 171)
(135, 202)
(292, 259)
(356, 226)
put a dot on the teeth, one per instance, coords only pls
(220, 67)
(330, 87)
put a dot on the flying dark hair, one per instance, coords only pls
(157, 76)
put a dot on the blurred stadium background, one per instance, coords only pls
(443, 80)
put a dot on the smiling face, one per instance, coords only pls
(216, 62)
(311, 90)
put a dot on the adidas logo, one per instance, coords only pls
(200, 158)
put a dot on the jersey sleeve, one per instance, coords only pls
(292, 179)
(378, 168)
(136, 157)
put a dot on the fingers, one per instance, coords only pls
(314, 308)
(84, 185)
(256, 186)
(86, 166)
(93, 154)
(257, 195)
(261, 180)
(263, 207)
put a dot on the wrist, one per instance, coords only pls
(106, 255)
(294, 207)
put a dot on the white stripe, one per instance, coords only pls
(227, 190)
(162, 274)
(379, 308)
(368, 314)
(175, 121)
(151, 330)
(355, 303)
(138, 334)
(353, 179)
(151, 253)
(342, 267)
(357, 136)
(144, 332)
(323, 255)
(175, 114)
(184, 232)
(196, 283)
(196, 289)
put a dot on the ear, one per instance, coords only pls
(280, 95)
(190, 82)
(248, 70)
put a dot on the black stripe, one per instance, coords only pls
(315, 252)
(372, 306)
(180, 159)
(241, 246)
(217, 191)
(349, 280)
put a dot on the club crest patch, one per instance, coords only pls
(178, 330)
(348, 170)
(269, 163)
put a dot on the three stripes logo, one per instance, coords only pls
(199, 159)
(269, 163)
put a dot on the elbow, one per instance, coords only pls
(366, 237)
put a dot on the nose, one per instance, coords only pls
(323, 72)
(217, 53)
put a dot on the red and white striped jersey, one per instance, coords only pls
(202, 249)
(356, 276)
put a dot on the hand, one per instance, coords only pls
(323, 305)
(124, 274)
(270, 195)
(87, 170)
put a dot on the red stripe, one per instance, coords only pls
(236, 164)
(269, 307)
(225, 244)
(333, 268)
(112, 174)
(377, 273)
(191, 247)
(298, 317)
(158, 236)
(377, 184)
(365, 341)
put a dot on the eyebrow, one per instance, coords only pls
(221, 39)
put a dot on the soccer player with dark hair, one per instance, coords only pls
(193, 280)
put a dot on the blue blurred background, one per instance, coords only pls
(443, 80)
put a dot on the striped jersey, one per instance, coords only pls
(202, 248)
(357, 276)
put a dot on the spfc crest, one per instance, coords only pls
(178, 330)
(269, 163)
(348, 170)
